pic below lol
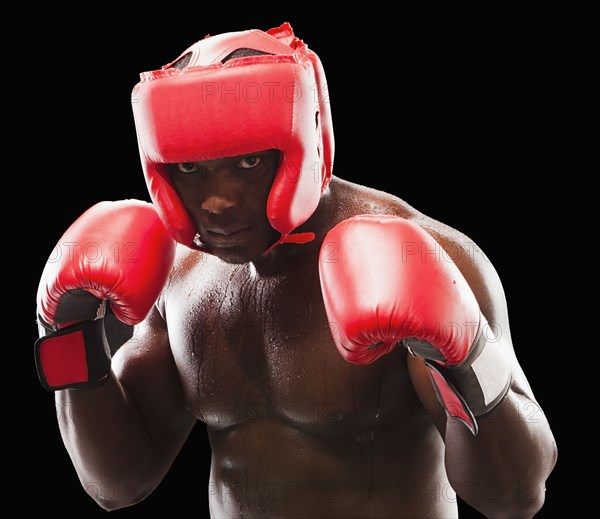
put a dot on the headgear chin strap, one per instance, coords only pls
(215, 107)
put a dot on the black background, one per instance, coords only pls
(449, 111)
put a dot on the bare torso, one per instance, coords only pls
(295, 430)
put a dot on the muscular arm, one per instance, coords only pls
(501, 471)
(124, 436)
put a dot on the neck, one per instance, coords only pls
(287, 257)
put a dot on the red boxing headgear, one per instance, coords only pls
(216, 107)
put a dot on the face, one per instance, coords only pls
(227, 200)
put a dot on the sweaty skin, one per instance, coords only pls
(241, 341)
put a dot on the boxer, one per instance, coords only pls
(349, 355)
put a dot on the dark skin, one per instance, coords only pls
(240, 340)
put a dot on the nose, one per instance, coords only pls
(221, 192)
(217, 204)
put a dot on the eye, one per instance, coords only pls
(251, 161)
(187, 167)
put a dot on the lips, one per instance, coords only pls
(217, 236)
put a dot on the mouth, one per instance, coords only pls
(218, 236)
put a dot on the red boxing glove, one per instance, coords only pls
(386, 281)
(102, 278)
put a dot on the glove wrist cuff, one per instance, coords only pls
(476, 386)
(76, 357)
(79, 356)
(484, 377)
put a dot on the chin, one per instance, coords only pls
(238, 255)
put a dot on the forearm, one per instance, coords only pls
(502, 471)
(108, 443)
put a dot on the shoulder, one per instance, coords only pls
(193, 263)
(354, 199)
(188, 265)
(186, 261)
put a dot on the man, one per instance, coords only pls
(350, 356)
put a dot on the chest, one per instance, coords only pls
(261, 349)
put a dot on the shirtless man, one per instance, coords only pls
(350, 356)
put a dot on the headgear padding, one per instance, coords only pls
(215, 107)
